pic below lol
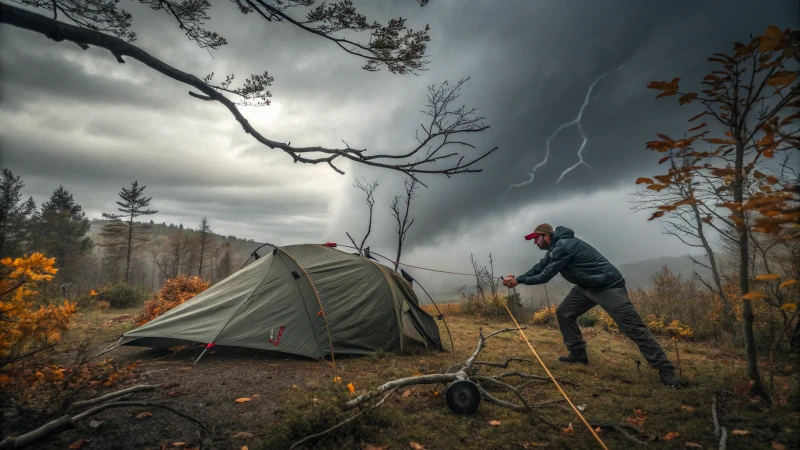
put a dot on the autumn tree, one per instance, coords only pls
(26, 329)
(15, 215)
(400, 214)
(751, 102)
(127, 234)
(61, 229)
(392, 46)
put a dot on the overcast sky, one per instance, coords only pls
(80, 119)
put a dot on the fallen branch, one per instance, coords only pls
(532, 377)
(723, 440)
(340, 424)
(620, 428)
(714, 415)
(503, 365)
(66, 421)
(112, 395)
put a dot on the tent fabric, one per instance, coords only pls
(309, 300)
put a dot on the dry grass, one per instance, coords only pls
(611, 388)
(307, 401)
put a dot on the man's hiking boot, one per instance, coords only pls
(669, 379)
(579, 357)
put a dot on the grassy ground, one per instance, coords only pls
(294, 397)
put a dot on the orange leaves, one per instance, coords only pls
(494, 423)
(26, 325)
(657, 187)
(174, 292)
(698, 116)
(782, 79)
(656, 215)
(143, 415)
(669, 88)
(767, 277)
(242, 400)
(787, 283)
(351, 387)
(698, 127)
(638, 417)
(569, 429)
(687, 98)
(770, 39)
(789, 307)
(671, 435)
(754, 295)
(644, 180)
(720, 141)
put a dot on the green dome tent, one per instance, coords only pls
(310, 300)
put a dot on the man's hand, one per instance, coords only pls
(510, 281)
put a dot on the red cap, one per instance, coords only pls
(541, 229)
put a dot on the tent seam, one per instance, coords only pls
(324, 317)
(308, 316)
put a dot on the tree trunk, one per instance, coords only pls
(130, 247)
(757, 387)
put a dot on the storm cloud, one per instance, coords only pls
(80, 119)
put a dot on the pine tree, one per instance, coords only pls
(127, 234)
(61, 229)
(204, 242)
(15, 216)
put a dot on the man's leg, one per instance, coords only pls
(573, 305)
(618, 305)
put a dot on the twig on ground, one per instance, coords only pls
(503, 365)
(714, 415)
(532, 377)
(723, 440)
(620, 428)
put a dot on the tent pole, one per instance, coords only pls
(201, 355)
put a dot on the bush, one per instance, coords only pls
(545, 316)
(587, 320)
(122, 295)
(490, 305)
(174, 292)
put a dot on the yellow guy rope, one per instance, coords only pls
(554, 380)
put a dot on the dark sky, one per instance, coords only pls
(80, 119)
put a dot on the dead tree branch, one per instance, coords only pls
(67, 420)
(447, 122)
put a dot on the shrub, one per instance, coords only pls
(587, 320)
(545, 316)
(490, 305)
(122, 295)
(174, 292)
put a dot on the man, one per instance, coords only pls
(597, 282)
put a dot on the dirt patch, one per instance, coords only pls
(207, 392)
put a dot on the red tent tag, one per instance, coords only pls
(280, 333)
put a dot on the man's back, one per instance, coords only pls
(586, 268)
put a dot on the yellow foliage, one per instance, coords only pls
(26, 326)
(545, 316)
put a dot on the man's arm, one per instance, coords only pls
(536, 269)
(553, 263)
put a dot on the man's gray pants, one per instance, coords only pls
(618, 305)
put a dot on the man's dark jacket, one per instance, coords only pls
(576, 261)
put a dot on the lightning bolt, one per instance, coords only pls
(576, 122)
